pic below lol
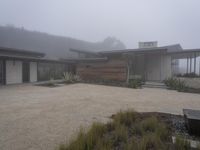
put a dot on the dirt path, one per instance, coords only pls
(34, 117)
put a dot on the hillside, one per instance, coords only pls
(53, 46)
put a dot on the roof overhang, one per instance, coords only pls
(35, 59)
(19, 52)
(86, 60)
(187, 53)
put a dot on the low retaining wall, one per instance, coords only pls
(191, 82)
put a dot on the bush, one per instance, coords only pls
(126, 118)
(175, 84)
(135, 83)
(127, 131)
(188, 75)
(70, 78)
(182, 144)
(151, 142)
(150, 124)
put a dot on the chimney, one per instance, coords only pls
(151, 44)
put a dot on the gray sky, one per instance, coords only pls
(167, 21)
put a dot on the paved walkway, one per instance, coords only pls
(40, 118)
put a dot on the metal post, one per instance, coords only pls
(190, 64)
(187, 65)
(195, 60)
(199, 67)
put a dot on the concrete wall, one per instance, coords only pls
(166, 71)
(13, 72)
(33, 71)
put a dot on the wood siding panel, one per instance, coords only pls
(111, 70)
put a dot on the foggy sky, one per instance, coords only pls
(166, 21)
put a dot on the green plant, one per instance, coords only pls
(126, 118)
(182, 144)
(127, 131)
(151, 141)
(135, 83)
(86, 141)
(68, 77)
(76, 78)
(175, 84)
(51, 82)
(150, 124)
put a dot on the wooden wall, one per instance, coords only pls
(110, 70)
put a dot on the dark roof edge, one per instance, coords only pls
(83, 51)
(36, 59)
(186, 51)
(132, 50)
(21, 51)
(97, 59)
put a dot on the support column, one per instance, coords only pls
(187, 65)
(190, 64)
(195, 61)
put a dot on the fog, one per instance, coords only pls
(168, 22)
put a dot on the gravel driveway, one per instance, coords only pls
(40, 118)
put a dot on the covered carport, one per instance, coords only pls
(191, 58)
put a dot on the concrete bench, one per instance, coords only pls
(192, 120)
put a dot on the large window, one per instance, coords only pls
(46, 71)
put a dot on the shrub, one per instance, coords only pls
(182, 144)
(135, 83)
(68, 77)
(162, 132)
(188, 75)
(175, 84)
(126, 131)
(137, 129)
(126, 118)
(151, 141)
(76, 78)
(51, 82)
(120, 134)
(87, 141)
(150, 124)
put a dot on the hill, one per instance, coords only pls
(53, 46)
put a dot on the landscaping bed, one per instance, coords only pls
(180, 85)
(134, 131)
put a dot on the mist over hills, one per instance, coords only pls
(52, 45)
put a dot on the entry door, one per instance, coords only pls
(154, 67)
(26, 71)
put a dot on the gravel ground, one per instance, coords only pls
(40, 118)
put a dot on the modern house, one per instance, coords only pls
(20, 66)
(150, 62)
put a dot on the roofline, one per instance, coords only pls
(186, 51)
(97, 59)
(133, 50)
(35, 59)
(21, 51)
(83, 51)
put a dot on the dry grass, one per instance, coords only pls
(127, 131)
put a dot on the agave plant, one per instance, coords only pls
(68, 77)
(76, 78)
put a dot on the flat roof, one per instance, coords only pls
(19, 52)
(36, 59)
(95, 59)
